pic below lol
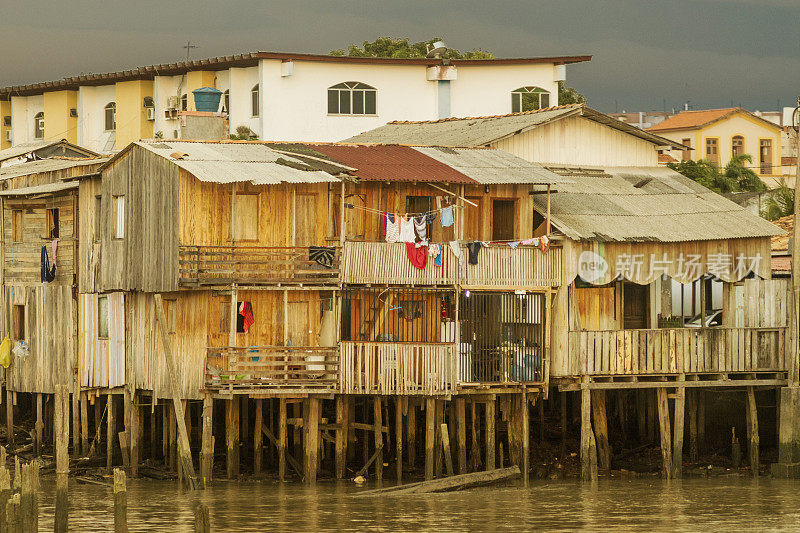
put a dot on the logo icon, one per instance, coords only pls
(591, 267)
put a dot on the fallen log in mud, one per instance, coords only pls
(459, 482)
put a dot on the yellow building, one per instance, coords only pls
(5, 124)
(718, 135)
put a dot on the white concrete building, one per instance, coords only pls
(280, 96)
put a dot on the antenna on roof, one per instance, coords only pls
(436, 49)
(188, 47)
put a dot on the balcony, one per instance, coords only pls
(498, 267)
(253, 265)
(678, 351)
(272, 369)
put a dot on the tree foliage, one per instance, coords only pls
(402, 48)
(735, 177)
(568, 95)
(779, 203)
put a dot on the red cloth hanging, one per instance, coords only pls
(247, 312)
(417, 255)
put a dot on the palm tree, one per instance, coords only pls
(779, 203)
(737, 171)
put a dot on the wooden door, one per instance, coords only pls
(634, 315)
(503, 220)
(473, 218)
(305, 220)
(765, 156)
(299, 323)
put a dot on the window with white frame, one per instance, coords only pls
(111, 116)
(254, 101)
(102, 317)
(529, 99)
(352, 98)
(38, 125)
(118, 212)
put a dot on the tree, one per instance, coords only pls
(780, 202)
(568, 95)
(736, 177)
(402, 48)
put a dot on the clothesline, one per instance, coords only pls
(382, 212)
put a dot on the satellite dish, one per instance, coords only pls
(436, 49)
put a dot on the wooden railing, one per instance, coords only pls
(397, 368)
(272, 367)
(498, 266)
(501, 266)
(500, 364)
(384, 262)
(680, 350)
(221, 265)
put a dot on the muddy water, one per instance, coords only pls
(637, 505)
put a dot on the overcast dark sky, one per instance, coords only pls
(713, 53)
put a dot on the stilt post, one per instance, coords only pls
(207, 446)
(752, 432)
(378, 432)
(398, 437)
(120, 502)
(311, 439)
(232, 436)
(600, 426)
(490, 436)
(258, 450)
(342, 419)
(677, 438)
(430, 436)
(664, 426)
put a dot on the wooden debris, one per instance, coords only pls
(459, 482)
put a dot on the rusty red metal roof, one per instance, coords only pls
(388, 162)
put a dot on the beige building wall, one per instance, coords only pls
(5, 111)
(197, 79)
(580, 141)
(132, 123)
(58, 122)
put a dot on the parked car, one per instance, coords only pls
(713, 319)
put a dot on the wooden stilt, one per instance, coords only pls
(258, 450)
(677, 438)
(641, 414)
(84, 424)
(411, 432)
(207, 446)
(120, 502)
(165, 435)
(448, 458)
(282, 439)
(311, 439)
(540, 402)
(244, 408)
(461, 433)
(691, 403)
(39, 426)
(97, 419)
(61, 439)
(474, 445)
(652, 417)
(526, 451)
(153, 430)
(430, 436)
(600, 426)
(438, 465)
(490, 436)
(398, 437)
(232, 436)
(111, 430)
(297, 431)
(563, 401)
(588, 445)
(701, 420)
(378, 432)
(173, 441)
(752, 431)
(134, 436)
(342, 419)
(666, 435)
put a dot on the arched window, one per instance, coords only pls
(184, 103)
(254, 100)
(528, 99)
(226, 102)
(352, 98)
(38, 125)
(111, 116)
(737, 145)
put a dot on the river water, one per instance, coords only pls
(727, 504)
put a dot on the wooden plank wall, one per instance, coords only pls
(147, 257)
(288, 214)
(101, 360)
(50, 325)
(22, 260)
(54, 176)
(598, 308)
(88, 238)
(758, 303)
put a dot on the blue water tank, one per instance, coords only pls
(206, 99)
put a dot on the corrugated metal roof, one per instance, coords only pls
(392, 163)
(223, 162)
(42, 189)
(647, 204)
(489, 166)
(46, 165)
(481, 131)
(26, 148)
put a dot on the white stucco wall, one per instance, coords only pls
(241, 82)
(23, 109)
(91, 117)
(163, 88)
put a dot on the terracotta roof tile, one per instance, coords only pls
(781, 242)
(693, 119)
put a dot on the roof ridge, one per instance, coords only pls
(521, 113)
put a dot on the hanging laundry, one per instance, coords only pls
(456, 249)
(473, 248)
(514, 244)
(54, 246)
(323, 255)
(246, 311)
(486, 244)
(418, 255)
(406, 230)
(447, 216)
(528, 242)
(48, 274)
(420, 225)
(544, 244)
(435, 251)
(392, 227)
(432, 217)
(5, 352)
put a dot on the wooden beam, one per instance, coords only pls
(232, 437)
(207, 446)
(378, 434)
(526, 451)
(311, 439)
(172, 373)
(398, 437)
(666, 436)
(430, 435)
(296, 466)
(461, 434)
(258, 450)
(588, 445)
(342, 420)
(752, 432)
(111, 430)
(281, 443)
(448, 458)
(677, 438)
(601, 430)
